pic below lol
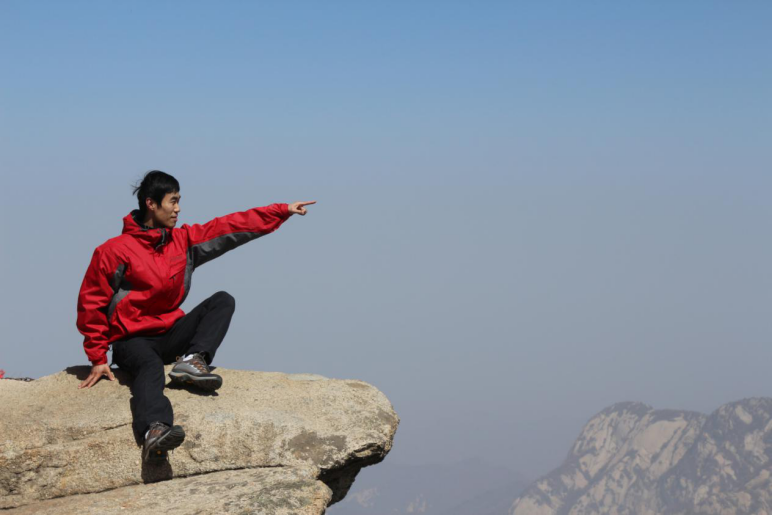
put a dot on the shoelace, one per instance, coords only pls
(156, 430)
(198, 362)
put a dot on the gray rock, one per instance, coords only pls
(58, 441)
(632, 459)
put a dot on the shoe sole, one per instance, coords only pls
(170, 441)
(209, 383)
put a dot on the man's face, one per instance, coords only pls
(166, 214)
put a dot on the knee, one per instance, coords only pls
(149, 363)
(148, 372)
(225, 298)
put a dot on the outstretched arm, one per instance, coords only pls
(216, 237)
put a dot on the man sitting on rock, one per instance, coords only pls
(132, 291)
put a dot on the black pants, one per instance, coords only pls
(201, 330)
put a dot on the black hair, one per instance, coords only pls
(155, 185)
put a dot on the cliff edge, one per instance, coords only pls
(266, 442)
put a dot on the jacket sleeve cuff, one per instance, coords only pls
(99, 361)
(284, 211)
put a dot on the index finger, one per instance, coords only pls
(306, 203)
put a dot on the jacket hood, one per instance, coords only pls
(154, 237)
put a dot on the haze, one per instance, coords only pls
(526, 211)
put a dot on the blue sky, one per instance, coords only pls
(526, 211)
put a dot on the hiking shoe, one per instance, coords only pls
(161, 438)
(195, 371)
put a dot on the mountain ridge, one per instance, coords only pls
(633, 459)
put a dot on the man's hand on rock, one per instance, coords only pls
(97, 371)
(296, 208)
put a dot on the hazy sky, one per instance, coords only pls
(527, 211)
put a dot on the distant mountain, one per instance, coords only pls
(470, 487)
(632, 459)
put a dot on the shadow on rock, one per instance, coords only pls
(192, 389)
(82, 372)
(158, 469)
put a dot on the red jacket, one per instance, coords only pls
(137, 281)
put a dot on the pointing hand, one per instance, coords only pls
(296, 208)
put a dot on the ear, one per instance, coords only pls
(150, 204)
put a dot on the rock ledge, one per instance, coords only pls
(266, 442)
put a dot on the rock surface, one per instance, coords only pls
(58, 441)
(279, 491)
(632, 459)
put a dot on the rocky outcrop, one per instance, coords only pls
(265, 442)
(632, 459)
(279, 491)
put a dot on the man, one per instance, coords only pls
(132, 291)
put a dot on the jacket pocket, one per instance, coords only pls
(177, 271)
(177, 264)
(176, 282)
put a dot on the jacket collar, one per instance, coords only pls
(154, 237)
